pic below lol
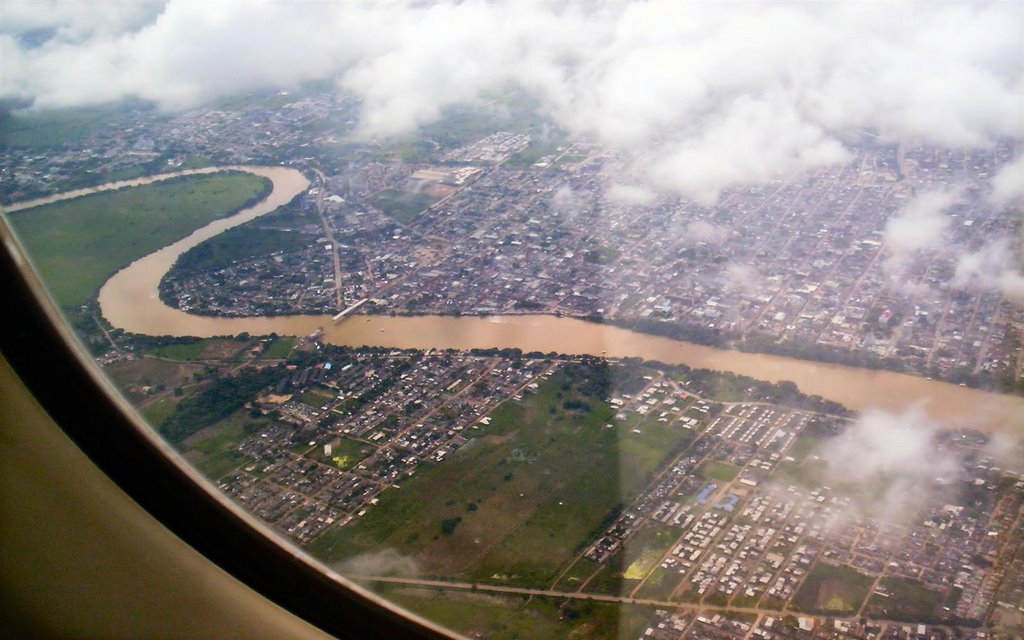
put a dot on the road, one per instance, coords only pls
(339, 293)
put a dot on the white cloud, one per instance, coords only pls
(1008, 183)
(992, 267)
(703, 231)
(917, 228)
(631, 194)
(743, 278)
(702, 95)
(890, 463)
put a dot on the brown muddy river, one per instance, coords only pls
(129, 300)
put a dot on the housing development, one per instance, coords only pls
(814, 265)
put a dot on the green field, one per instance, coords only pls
(804, 445)
(158, 411)
(809, 474)
(909, 600)
(347, 453)
(201, 349)
(316, 397)
(660, 584)
(78, 244)
(131, 375)
(240, 243)
(831, 589)
(718, 471)
(279, 348)
(577, 575)
(51, 128)
(541, 479)
(214, 449)
(402, 206)
(495, 617)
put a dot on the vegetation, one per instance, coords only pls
(50, 128)
(830, 589)
(237, 244)
(223, 397)
(402, 206)
(719, 471)
(601, 255)
(193, 349)
(544, 479)
(279, 348)
(478, 614)
(347, 453)
(157, 412)
(214, 450)
(908, 600)
(78, 244)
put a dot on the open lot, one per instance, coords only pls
(133, 376)
(908, 600)
(205, 349)
(521, 500)
(831, 589)
(494, 617)
(214, 449)
(402, 206)
(719, 471)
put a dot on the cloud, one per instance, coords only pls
(703, 231)
(992, 267)
(752, 141)
(565, 200)
(743, 278)
(917, 228)
(1007, 450)
(381, 563)
(631, 194)
(701, 96)
(1008, 183)
(889, 463)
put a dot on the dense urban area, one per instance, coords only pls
(510, 494)
(467, 220)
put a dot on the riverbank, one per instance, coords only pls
(130, 301)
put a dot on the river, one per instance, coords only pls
(129, 300)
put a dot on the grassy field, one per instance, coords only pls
(51, 128)
(505, 617)
(909, 600)
(214, 449)
(402, 206)
(204, 349)
(529, 492)
(804, 445)
(660, 584)
(831, 590)
(240, 243)
(347, 453)
(577, 575)
(809, 474)
(645, 549)
(279, 348)
(132, 375)
(316, 397)
(156, 412)
(78, 244)
(718, 471)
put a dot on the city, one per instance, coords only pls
(511, 493)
